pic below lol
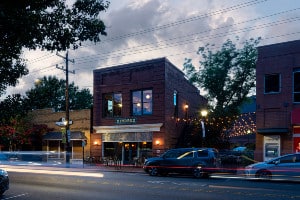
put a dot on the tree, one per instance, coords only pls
(16, 129)
(49, 92)
(227, 76)
(46, 24)
(12, 107)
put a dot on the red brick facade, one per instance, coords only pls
(274, 109)
(160, 129)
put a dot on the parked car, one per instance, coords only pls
(285, 167)
(199, 162)
(4, 181)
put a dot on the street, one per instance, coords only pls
(67, 183)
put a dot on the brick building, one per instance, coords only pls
(53, 142)
(278, 99)
(137, 107)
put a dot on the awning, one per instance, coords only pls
(75, 135)
(272, 131)
(128, 128)
(296, 116)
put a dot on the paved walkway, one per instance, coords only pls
(116, 168)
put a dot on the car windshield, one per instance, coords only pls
(188, 154)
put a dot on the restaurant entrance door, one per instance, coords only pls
(130, 152)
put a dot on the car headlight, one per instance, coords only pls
(3, 172)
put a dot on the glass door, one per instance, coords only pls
(130, 152)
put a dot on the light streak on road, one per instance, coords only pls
(54, 171)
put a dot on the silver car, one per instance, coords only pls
(285, 167)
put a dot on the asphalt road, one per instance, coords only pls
(64, 183)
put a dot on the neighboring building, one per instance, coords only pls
(137, 108)
(278, 99)
(54, 142)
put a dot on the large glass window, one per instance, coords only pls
(296, 84)
(272, 83)
(112, 105)
(142, 102)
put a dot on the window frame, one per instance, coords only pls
(296, 71)
(269, 84)
(140, 98)
(114, 106)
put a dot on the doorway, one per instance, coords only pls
(130, 152)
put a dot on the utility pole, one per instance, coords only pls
(68, 147)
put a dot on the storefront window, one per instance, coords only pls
(112, 105)
(142, 102)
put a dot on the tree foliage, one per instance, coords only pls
(16, 129)
(49, 92)
(12, 108)
(227, 76)
(46, 24)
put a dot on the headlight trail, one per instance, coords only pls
(54, 172)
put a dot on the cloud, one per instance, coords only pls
(148, 29)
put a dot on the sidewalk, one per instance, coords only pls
(112, 168)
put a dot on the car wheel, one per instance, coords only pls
(198, 173)
(264, 174)
(153, 170)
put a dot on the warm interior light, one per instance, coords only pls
(186, 106)
(157, 142)
(95, 143)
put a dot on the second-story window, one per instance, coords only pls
(296, 86)
(272, 83)
(142, 102)
(112, 105)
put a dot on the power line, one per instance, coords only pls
(197, 17)
(137, 49)
(160, 45)
(183, 21)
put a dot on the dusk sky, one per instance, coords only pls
(147, 29)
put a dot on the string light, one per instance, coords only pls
(241, 125)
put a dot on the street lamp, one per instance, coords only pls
(203, 114)
(186, 107)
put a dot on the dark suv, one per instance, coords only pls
(199, 162)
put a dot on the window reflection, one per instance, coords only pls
(142, 102)
(112, 105)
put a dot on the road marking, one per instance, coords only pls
(16, 196)
(176, 183)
